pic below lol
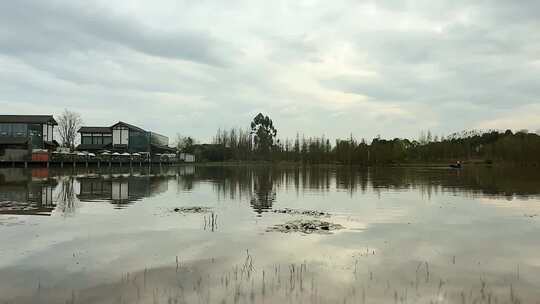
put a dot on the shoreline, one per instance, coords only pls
(256, 163)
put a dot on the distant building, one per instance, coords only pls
(20, 134)
(186, 157)
(95, 138)
(122, 137)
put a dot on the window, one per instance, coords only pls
(5, 129)
(107, 139)
(50, 136)
(45, 132)
(96, 139)
(36, 136)
(86, 139)
(120, 136)
(18, 129)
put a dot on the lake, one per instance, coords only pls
(403, 235)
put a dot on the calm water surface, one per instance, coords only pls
(411, 235)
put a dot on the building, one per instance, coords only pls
(187, 157)
(95, 138)
(20, 134)
(122, 137)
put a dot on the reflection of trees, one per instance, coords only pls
(258, 183)
(66, 195)
(504, 182)
(232, 182)
(264, 193)
(351, 178)
(185, 182)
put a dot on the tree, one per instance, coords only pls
(68, 124)
(422, 139)
(184, 143)
(264, 133)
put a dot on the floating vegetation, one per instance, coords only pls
(305, 226)
(301, 212)
(193, 209)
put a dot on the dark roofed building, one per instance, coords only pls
(10, 140)
(123, 137)
(20, 134)
(28, 119)
(95, 138)
(95, 130)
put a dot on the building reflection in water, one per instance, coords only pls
(26, 192)
(40, 191)
(123, 189)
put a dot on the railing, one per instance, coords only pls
(80, 159)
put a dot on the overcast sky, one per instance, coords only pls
(316, 67)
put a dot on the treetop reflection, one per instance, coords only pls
(40, 191)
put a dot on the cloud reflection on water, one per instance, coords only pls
(396, 220)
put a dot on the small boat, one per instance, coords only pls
(456, 166)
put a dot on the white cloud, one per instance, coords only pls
(318, 67)
(525, 117)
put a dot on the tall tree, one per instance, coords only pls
(68, 124)
(264, 134)
(184, 143)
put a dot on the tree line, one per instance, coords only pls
(260, 142)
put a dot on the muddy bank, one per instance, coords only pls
(301, 212)
(306, 226)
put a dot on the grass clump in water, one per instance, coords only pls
(301, 212)
(306, 226)
(193, 209)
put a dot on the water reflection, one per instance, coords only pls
(27, 192)
(123, 187)
(456, 240)
(40, 191)
(264, 193)
(121, 190)
(66, 195)
(262, 185)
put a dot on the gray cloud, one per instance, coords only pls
(48, 27)
(335, 68)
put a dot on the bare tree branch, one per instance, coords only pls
(68, 124)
